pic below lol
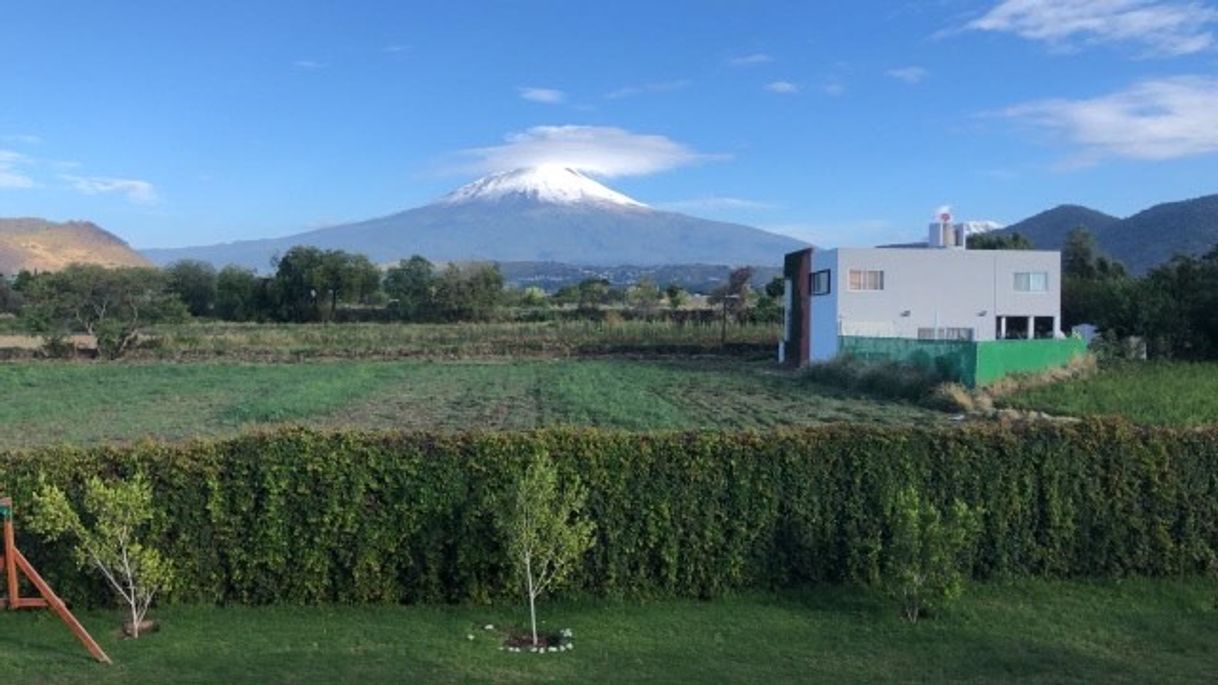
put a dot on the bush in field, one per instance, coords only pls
(884, 378)
(114, 305)
(927, 553)
(410, 287)
(545, 531)
(471, 292)
(107, 538)
(241, 295)
(195, 283)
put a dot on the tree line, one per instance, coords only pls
(1172, 309)
(315, 285)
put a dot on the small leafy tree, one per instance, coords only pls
(927, 553)
(107, 538)
(113, 305)
(676, 296)
(545, 530)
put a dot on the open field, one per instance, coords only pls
(1135, 631)
(291, 342)
(47, 402)
(1158, 393)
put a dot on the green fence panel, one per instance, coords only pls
(956, 359)
(971, 363)
(999, 358)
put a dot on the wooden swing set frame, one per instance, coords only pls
(13, 561)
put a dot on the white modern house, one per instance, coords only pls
(850, 299)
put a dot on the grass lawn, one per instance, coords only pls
(83, 402)
(1159, 393)
(1030, 632)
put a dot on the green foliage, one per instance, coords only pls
(999, 241)
(469, 292)
(410, 287)
(108, 538)
(300, 516)
(195, 283)
(928, 554)
(545, 531)
(241, 295)
(310, 282)
(1171, 308)
(675, 295)
(644, 296)
(114, 305)
(886, 379)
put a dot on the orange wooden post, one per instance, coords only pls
(15, 561)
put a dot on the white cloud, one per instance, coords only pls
(393, 49)
(21, 139)
(715, 203)
(750, 60)
(833, 88)
(10, 175)
(783, 87)
(661, 87)
(137, 192)
(600, 150)
(1151, 120)
(910, 75)
(547, 96)
(1162, 28)
(308, 64)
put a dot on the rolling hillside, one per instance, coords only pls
(40, 245)
(1140, 242)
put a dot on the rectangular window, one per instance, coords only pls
(820, 283)
(861, 279)
(1031, 281)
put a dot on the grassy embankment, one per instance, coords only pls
(1157, 393)
(1135, 631)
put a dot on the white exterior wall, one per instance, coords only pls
(929, 288)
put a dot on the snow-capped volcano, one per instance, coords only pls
(557, 185)
(539, 214)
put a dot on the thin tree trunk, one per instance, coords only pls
(528, 572)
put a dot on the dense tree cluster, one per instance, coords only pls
(1173, 308)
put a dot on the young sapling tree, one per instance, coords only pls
(545, 530)
(107, 538)
(927, 552)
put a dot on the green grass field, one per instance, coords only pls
(291, 342)
(1135, 631)
(1157, 393)
(85, 403)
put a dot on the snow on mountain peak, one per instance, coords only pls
(546, 184)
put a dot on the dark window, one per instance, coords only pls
(821, 284)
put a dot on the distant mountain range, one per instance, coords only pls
(39, 245)
(1141, 241)
(546, 214)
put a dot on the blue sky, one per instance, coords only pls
(188, 123)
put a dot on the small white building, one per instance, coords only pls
(939, 291)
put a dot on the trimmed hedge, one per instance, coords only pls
(299, 516)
